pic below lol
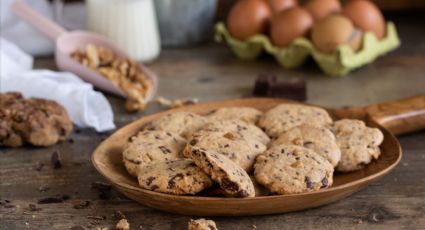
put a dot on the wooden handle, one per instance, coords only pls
(400, 117)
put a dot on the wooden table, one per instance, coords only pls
(211, 72)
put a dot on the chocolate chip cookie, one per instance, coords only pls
(319, 139)
(249, 131)
(179, 123)
(286, 116)
(151, 147)
(230, 144)
(179, 177)
(202, 224)
(230, 176)
(291, 169)
(246, 114)
(34, 121)
(359, 144)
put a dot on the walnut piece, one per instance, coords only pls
(124, 73)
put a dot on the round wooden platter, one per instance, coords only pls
(107, 159)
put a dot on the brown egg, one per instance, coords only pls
(281, 5)
(335, 30)
(366, 16)
(248, 17)
(289, 25)
(322, 8)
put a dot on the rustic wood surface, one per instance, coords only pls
(211, 72)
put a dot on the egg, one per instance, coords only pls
(335, 30)
(322, 8)
(289, 25)
(281, 5)
(248, 17)
(366, 16)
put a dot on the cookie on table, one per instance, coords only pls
(291, 169)
(32, 121)
(201, 224)
(230, 144)
(149, 147)
(286, 116)
(359, 144)
(230, 176)
(249, 131)
(319, 139)
(246, 114)
(179, 123)
(178, 177)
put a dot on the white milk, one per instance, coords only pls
(131, 24)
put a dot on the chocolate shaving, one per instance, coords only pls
(56, 160)
(50, 200)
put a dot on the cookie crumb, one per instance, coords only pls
(123, 225)
(254, 226)
(201, 224)
(175, 103)
(359, 221)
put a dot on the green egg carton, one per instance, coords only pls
(339, 63)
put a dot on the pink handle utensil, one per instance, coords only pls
(67, 42)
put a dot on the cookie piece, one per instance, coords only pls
(286, 116)
(230, 144)
(359, 144)
(246, 114)
(251, 132)
(290, 169)
(149, 147)
(179, 123)
(216, 191)
(319, 139)
(201, 224)
(230, 176)
(179, 177)
(34, 121)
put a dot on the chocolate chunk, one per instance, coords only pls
(241, 193)
(164, 149)
(149, 181)
(309, 183)
(325, 182)
(66, 197)
(172, 181)
(226, 184)
(81, 204)
(50, 200)
(263, 83)
(295, 90)
(56, 160)
(193, 142)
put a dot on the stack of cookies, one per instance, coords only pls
(243, 152)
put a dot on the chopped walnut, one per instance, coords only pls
(175, 103)
(123, 225)
(124, 73)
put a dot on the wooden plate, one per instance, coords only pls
(107, 160)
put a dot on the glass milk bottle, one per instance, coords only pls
(131, 24)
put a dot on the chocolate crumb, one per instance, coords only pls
(101, 186)
(90, 217)
(50, 200)
(56, 161)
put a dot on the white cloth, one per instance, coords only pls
(86, 107)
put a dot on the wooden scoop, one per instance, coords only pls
(68, 42)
